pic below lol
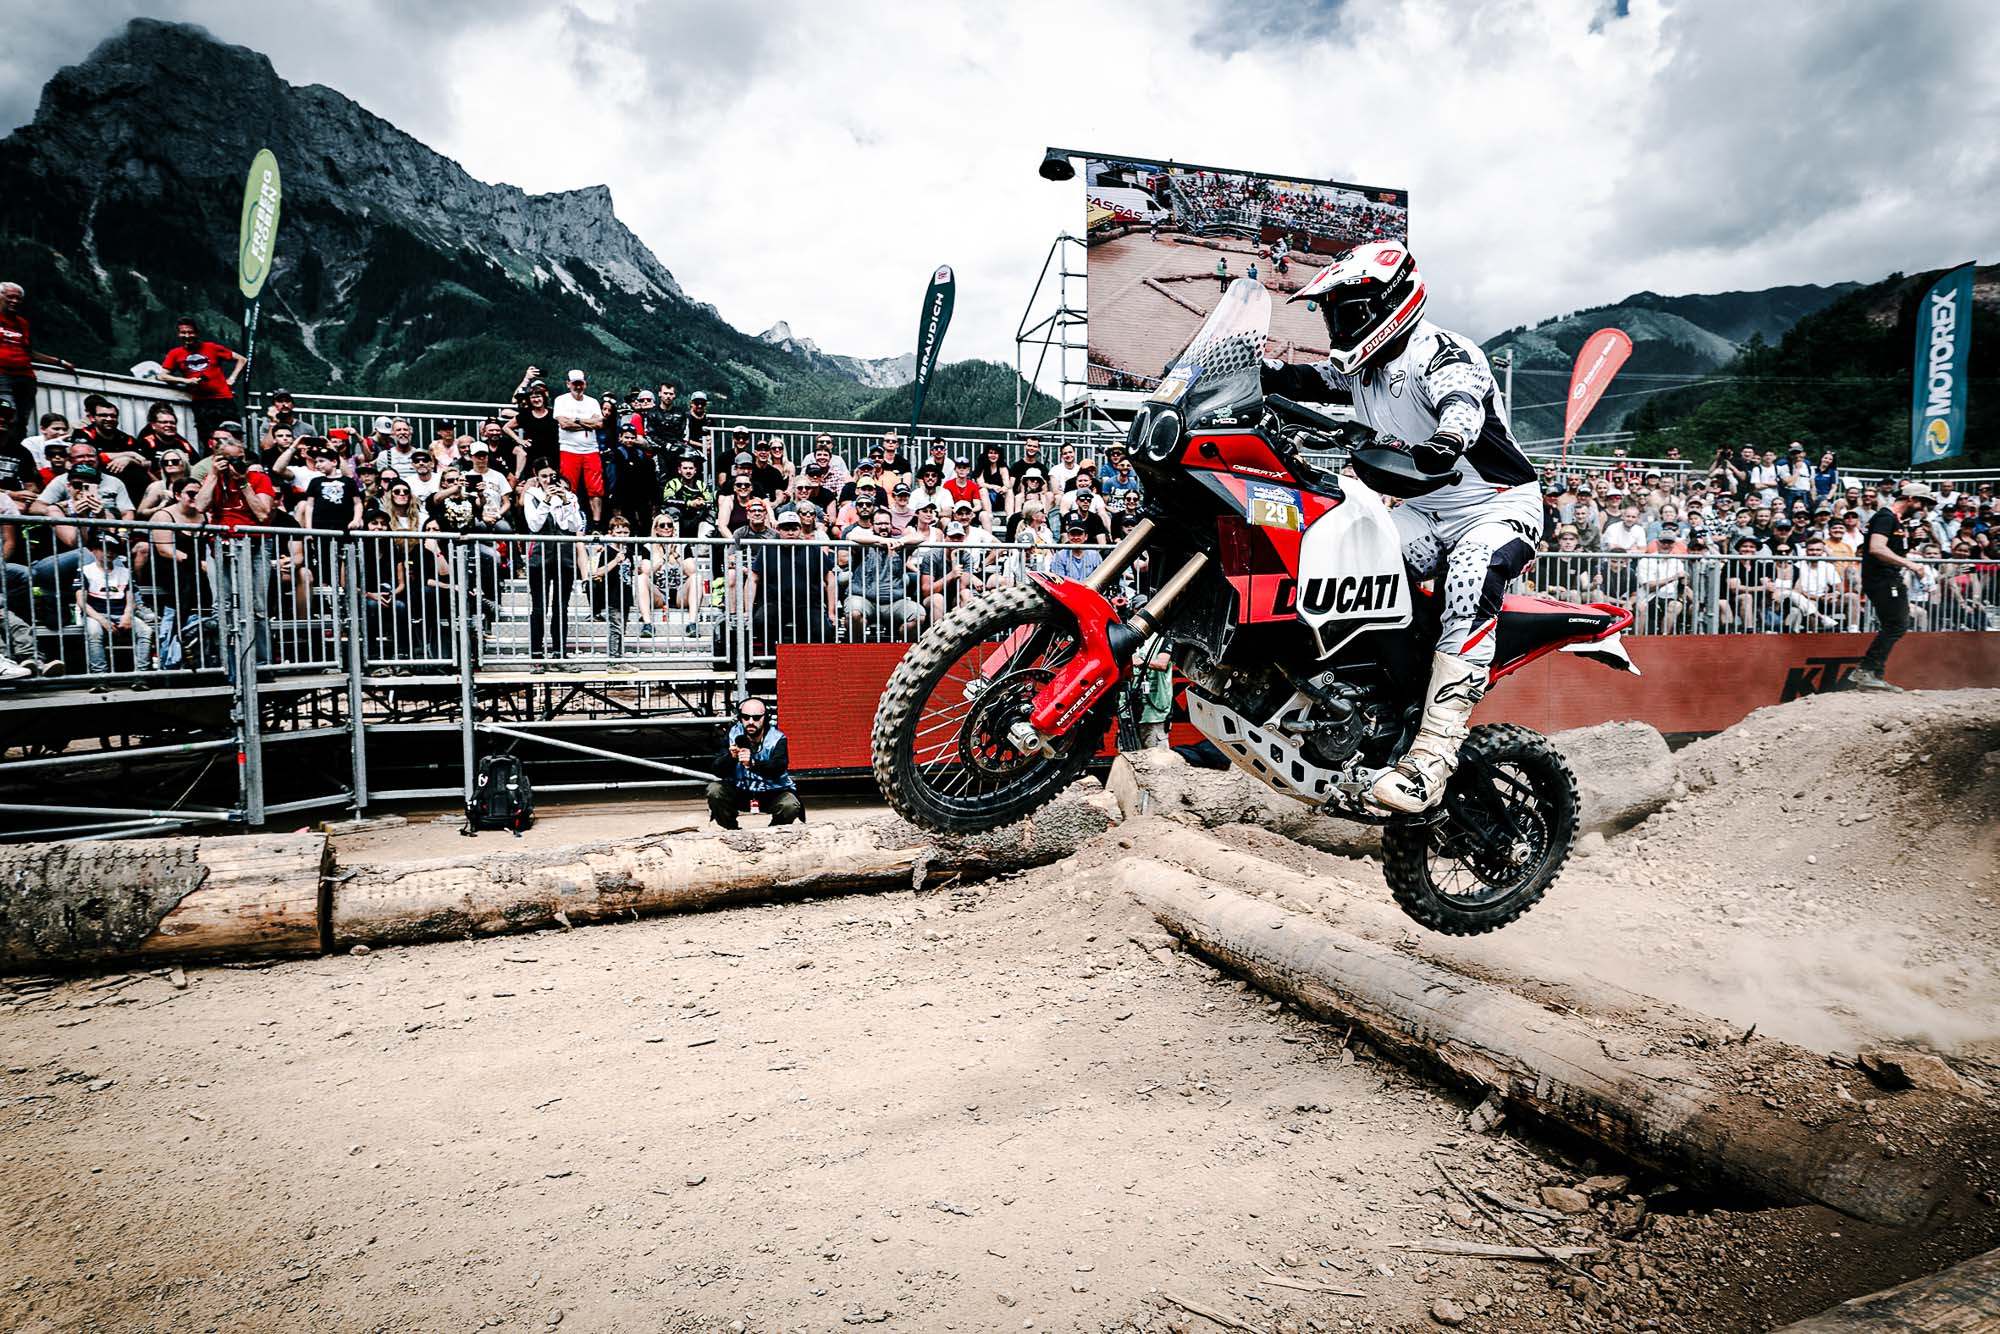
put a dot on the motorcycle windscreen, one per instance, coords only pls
(1351, 574)
(1220, 371)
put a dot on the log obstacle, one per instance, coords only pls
(479, 894)
(1651, 1096)
(74, 904)
(239, 896)
(1964, 1299)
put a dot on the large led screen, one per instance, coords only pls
(1167, 238)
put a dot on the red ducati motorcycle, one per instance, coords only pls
(1281, 591)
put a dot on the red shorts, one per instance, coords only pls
(584, 473)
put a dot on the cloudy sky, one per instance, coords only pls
(814, 161)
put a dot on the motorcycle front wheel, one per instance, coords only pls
(1508, 824)
(940, 746)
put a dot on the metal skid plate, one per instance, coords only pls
(1261, 749)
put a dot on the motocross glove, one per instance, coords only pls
(1436, 455)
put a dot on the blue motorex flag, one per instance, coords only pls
(936, 318)
(1944, 345)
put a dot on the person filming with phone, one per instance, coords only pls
(752, 771)
(237, 493)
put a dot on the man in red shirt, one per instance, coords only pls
(238, 493)
(18, 359)
(197, 364)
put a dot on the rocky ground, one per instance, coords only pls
(1004, 1106)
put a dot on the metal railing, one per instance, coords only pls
(64, 391)
(1763, 593)
(139, 601)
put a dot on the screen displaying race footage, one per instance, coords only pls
(1166, 239)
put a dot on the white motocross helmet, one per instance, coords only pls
(1371, 293)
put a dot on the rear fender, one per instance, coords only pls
(1604, 644)
(1098, 665)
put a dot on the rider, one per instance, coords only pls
(1411, 381)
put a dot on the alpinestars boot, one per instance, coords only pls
(1417, 782)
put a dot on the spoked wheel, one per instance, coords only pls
(1508, 824)
(943, 756)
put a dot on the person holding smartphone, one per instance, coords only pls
(549, 511)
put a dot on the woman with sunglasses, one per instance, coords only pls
(406, 514)
(1031, 486)
(173, 572)
(534, 428)
(667, 577)
(736, 505)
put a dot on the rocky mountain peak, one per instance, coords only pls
(104, 116)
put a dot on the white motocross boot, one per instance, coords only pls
(1417, 782)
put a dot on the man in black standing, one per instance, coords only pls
(1883, 565)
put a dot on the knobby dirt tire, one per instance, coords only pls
(892, 742)
(1407, 848)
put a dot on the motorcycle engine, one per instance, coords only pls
(1338, 724)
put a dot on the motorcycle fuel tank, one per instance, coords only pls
(1351, 573)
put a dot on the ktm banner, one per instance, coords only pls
(1944, 345)
(1692, 684)
(1596, 362)
(931, 324)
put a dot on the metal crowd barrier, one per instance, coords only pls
(1762, 594)
(186, 599)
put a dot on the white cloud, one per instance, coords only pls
(815, 162)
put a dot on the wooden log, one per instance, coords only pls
(1703, 1114)
(1964, 1299)
(162, 898)
(486, 892)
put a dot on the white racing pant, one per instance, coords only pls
(1474, 542)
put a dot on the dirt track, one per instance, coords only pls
(969, 1110)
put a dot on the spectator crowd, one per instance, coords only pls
(1758, 541)
(1202, 200)
(645, 506)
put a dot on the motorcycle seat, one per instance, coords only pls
(1528, 623)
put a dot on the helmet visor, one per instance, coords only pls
(1349, 317)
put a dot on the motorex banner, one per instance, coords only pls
(931, 324)
(256, 241)
(1944, 345)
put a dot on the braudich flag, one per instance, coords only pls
(931, 324)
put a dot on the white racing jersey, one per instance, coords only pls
(1439, 382)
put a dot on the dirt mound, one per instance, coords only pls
(1846, 847)
(1914, 765)
(1833, 877)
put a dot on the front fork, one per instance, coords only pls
(1107, 642)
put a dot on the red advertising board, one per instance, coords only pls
(1692, 683)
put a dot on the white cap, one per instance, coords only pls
(573, 377)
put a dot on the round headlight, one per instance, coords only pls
(1163, 438)
(1142, 425)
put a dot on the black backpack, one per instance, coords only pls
(501, 796)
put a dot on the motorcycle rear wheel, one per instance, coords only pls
(940, 753)
(1445, 878)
